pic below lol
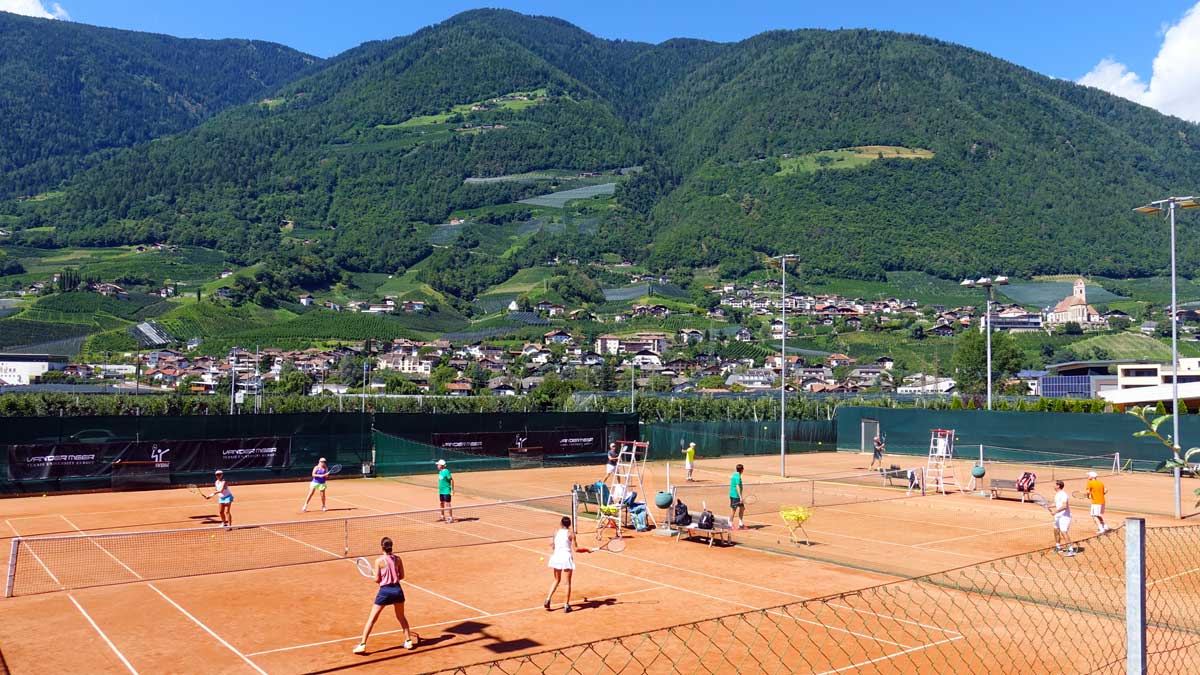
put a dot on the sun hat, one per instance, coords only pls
(1091, 474)
(441, 462)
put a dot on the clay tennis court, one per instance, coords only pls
(475, 587)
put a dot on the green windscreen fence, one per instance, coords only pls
(408, 444)
(1013, 436)
(738, 437)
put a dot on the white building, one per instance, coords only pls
(24, 368)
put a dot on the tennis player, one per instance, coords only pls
(1062, 521)
(610, 469)
(689, 459)
(389, 572)
(320, 473)
(737, 507)
(445, 492)
(562, 560)
(224, 498)
(1097, 491)
(877, 453)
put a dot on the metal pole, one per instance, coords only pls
(632, 383)
(1135, 596)
(364, 391)
(232, 381)
(14, 550)
(783, 372)
(987, 317)
(1175, 412)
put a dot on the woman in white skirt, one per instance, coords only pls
(562, 560)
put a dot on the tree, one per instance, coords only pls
(396, 383)
(440, 377)
(970, 360)
(659, 383)
(291, 383)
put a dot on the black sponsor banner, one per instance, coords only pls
(498, 444)
(76, 460)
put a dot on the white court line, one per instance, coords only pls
(982, 533)
(444, 623)
(734, 581)
(97, 545)
(208, 630)
(873, 541)
(894, 618)
(107, 641)
(336, 556)
(888, 657)
(1173, 576)
(892, 519)
(39, 559)
(149, 508)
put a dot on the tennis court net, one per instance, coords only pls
(53, 563)
(824, 490)
(1051, 467)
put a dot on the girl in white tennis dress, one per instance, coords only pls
(562, 560)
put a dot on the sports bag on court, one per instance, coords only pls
(1026, 482)
(706, 520)
(681, 516)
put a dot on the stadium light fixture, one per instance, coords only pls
(783, 361)
(989, 284)
(1169, 205)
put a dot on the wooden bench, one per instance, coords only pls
(995, 485)
(722, 530)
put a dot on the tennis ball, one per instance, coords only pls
(541, 559)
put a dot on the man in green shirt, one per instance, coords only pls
(735, 498)
(689, 459)
(445, 492)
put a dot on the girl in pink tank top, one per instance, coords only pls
(389, 572)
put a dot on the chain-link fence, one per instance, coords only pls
(1039, 612)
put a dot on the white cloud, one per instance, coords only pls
(1174, 86)
(34, 8)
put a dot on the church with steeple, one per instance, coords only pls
(1075, 309)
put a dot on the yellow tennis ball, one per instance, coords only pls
(541, 559)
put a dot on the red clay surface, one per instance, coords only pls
(471, 603)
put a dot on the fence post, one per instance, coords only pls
(12, 567)
(1135, 596)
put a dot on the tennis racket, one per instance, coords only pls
(614, 545)
(750, 499)
(1040, 501)
(335, 469)
(365, 568)
(195, 489)
(1079, 494)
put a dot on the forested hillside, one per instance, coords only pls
(72, 90)
(862, 151)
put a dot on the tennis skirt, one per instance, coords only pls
(389, 594)
(562, 560)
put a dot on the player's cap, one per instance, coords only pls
(219, 472)
(322, 460)
(1091, 474)
(441, 462)
(692, 444)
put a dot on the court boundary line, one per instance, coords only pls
(335, 556)
(38, 558)
(1173, 576)
(106, 551)
(102, 634)
(873, 541)
(983, 533)
(208, 630)
(449, 621)
(888, 657)
(712, 597)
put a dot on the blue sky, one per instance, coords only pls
(1116, 41)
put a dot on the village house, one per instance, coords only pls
(1075, 309)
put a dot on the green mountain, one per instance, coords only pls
(861, 151)
(72, 92)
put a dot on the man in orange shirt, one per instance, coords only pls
(1096, 491)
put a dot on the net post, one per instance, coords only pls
(345, 538)
(12, 567)
(1116, 463)
(1135, 596)
(575, 512)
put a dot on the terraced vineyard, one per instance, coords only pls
(15, 332)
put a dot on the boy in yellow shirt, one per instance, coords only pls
(1096, 492)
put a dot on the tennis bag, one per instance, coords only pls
(1026, 482)
(706, 520)
(681, 515)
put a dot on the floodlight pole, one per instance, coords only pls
(783, 366)
(1170, 204)
(989, 285)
